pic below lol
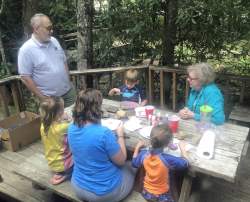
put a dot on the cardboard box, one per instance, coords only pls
(20, 130)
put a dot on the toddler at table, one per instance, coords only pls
(157, 164)
(131, 90)
(54, 137)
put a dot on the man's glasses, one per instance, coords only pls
(49, 28)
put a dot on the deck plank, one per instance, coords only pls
(18, 187)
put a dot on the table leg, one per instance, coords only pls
(186, 188)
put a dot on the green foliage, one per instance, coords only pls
(206, 30)
(124, 30)
(4, 70)
(207, 27)
(62, 13)
(129, 29)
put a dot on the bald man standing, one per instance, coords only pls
(42, 63)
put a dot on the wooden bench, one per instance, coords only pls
(241, 115)
(16, 187)
(29, 165)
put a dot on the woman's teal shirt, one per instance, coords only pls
(210, 95)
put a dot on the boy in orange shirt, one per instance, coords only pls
(158, 164)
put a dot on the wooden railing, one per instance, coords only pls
(12, 87)
(152, 77)
(231, 85)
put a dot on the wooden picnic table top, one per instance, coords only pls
(32, 165)
(229, 145)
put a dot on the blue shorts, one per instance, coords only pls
(166, 197)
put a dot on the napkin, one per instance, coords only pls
(145, 132)
(112, 124)
(132, 124)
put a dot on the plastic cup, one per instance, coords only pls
(149, 110)
(173, 123)
(206, 112)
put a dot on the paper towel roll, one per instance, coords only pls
(205, 148)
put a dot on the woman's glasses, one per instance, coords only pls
(192, 78)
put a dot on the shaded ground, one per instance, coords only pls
(222, 191)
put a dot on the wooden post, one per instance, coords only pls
(96, 81)
(242, 91)
(4, 101)
(21, 98)
(73, 77)
(110, 80)
(15, 95)
(186, 188)
(146, 82)
(162, 88)
(150, 83)
(174, 90)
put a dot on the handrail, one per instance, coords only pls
(14, 82)
(181, 70)
(108, 69)
(16, 90)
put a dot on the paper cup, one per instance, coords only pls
(149, 110)
(140, 112)
(173, 123)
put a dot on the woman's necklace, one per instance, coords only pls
(196, 99)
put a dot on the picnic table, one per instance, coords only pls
(227, 155)
(229, 144)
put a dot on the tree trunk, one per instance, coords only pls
(169, 39)
(30, 7)
(85, 12)
(3, 57)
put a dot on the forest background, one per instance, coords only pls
(121, 32)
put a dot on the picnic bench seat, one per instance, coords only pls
(30, 165)
(241, 115)
(16, 187)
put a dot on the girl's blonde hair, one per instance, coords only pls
(203, 71)
(160, 136)
(50, 110)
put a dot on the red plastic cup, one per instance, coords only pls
(173, 123)
(149, 110)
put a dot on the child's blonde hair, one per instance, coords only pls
(160, 136)
(131, 75)
(50, 110)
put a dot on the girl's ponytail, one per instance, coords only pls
(50, 110)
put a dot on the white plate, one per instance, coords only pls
(132, 124)
(145, 132)
(112, 124)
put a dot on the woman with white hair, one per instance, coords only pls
(203, 92)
